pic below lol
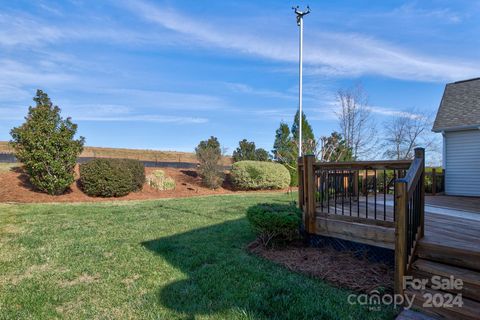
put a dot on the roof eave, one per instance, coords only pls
(457, 128)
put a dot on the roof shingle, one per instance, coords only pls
(460, 106)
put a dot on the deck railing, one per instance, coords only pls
(410, 216)
(358, 189)
(344, 188)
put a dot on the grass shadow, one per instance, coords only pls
(223, 279)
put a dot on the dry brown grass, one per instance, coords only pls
(139, 154)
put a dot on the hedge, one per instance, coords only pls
(275, 222)
(111, 177)
(256, 175)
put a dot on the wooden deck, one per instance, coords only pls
(447, 230)
(430, 236)
(471, 204)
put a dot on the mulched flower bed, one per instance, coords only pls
(15, 188)
(340, 268)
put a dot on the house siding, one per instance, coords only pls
(462, 159)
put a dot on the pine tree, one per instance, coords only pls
(261, 155)
(245, 151)
(283, 147)
(45, 145)
(308, 139)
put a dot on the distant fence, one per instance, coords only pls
(7, 158)
(10, 158)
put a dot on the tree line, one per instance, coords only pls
(45, 143)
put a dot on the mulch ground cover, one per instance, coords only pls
(15, 188)
(340, 268)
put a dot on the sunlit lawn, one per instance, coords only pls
(170, 259)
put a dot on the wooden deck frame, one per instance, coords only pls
(369, 231)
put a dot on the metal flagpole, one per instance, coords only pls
(300, 15)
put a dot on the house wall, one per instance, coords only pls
(462, 162)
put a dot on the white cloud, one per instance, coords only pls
(246, 89)
(413, 11)
(15, 73)
(157, 99)
(104, 113)
(331, 53)
(385, 111)
(146, 118)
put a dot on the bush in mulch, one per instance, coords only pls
(259, 175)
(111, 177)
(275, 223)
(341, 269)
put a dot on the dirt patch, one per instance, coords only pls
(10, 229)
(130, 280)
(341, 269)
(29, 273)
(83, 278)
(16, 188)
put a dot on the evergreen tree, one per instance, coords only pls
(45, 145)
(283, 147)
(261, 155)
(245, 151)
(308, 139)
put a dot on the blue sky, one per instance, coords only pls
(167, 74)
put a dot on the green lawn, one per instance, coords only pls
(166, 259)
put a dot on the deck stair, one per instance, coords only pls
(444, 262)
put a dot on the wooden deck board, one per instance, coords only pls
(471, 204)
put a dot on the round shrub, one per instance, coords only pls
(111, 177)
(277, 222)
(256, 175)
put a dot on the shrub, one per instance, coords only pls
(45, 145)
(209, 155)
(255, 175)
(275, 222)
(137, 170)
(158, 180)
(111, 177)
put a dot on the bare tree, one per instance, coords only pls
(356, 122)
(406, 131)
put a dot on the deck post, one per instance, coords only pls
(309, 192)
(401, 197)
(420, 153)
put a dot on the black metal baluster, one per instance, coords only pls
(375, 192)
(335, 190)
(342, 179)
(394, 193)
(358, 193)
(328, 191)
(384, 195)
(366, 193)
(350, 185)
